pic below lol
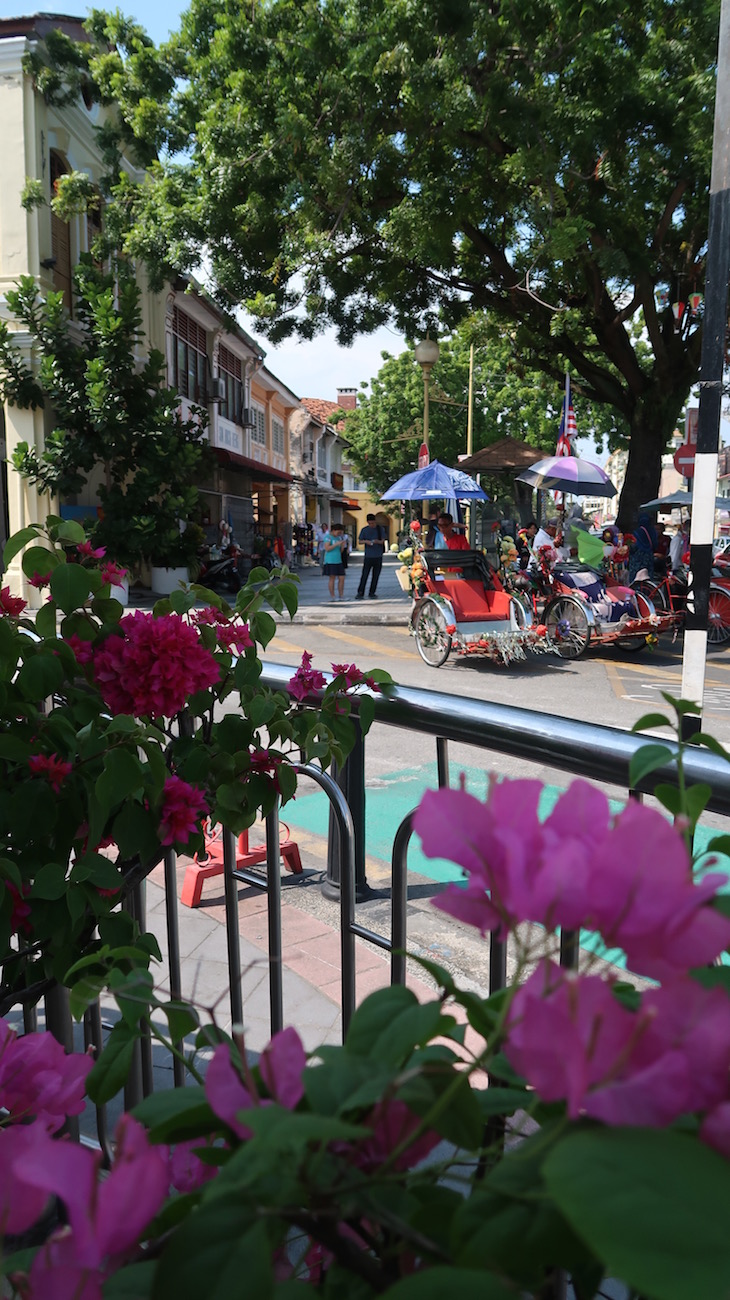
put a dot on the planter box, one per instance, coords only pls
(120, 592)
(165, 581)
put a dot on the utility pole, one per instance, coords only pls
(708, 427)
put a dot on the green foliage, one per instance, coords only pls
(386, 429)
(107, 411)
(350, 163)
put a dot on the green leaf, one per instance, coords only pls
(651, 720)
(84, 992)
(718, 844)
(670, 798)
(176, 1114)
(263, 628)
(647, 760)
(38, 559)
(50, 882)
(131, 1283)
(71, 531)
(41, 675)
(182, 601)
(70, 586)
(647, 1204)
(216, 1251)
(697, 798)
(122, 777)
(134, 829)
(45, 620)
(443, 1280)
(18, 541)
(181, 1018)
(109, 1075)
(709, 742)
(375, 1015)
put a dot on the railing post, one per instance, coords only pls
(273, 880)
(351, 780)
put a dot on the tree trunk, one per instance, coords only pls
(652, 424)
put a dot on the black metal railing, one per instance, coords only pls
(591, 750)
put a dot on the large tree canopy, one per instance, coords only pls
(386, 430)
(351, 161)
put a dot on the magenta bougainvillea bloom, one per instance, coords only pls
(183, 805)
(113, 573)
(38, 1079)
(12, 605)
(83, 650)
(353, 676)
(40, 580)
(187, 1171)
(106, 1218)
(21, 1204)
(715, 1129)
(306, 679)
(571, 1038)
(153, 668)
(50, 766)
(19, 923)
(281, 1067)
(90, 552)
(628, 877)
(235, 635)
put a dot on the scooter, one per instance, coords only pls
(220, 568)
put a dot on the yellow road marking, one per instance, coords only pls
(284, 647)
(366, 644)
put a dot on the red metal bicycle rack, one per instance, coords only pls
(204, 868)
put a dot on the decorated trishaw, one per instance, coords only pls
(581, 606)
(462, 605)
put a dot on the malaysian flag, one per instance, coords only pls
(568, 427)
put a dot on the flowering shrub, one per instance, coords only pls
(600, 1147)
(113, 747)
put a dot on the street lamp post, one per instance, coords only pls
(427, 354)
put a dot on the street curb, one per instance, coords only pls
(354, 618)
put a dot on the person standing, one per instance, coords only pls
(641, 550)
(372, 538)
(332, 566)
(318, 548)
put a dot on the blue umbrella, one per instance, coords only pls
(434, 482)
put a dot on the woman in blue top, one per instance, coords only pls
(333, 545)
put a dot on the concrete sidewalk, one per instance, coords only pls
(391, 608)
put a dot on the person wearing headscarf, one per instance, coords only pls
(641, 550)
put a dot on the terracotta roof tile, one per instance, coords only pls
(322, 410)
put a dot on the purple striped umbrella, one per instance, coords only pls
(571, 474)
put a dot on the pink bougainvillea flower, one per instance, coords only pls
(89, 552)
(38, 1079)
(54, 769)
(40, 579)
(183, 806)
(187, 1171)
(628, 878)
(645, 900)
(12, 605)
(21, 1204)
(107, 1218)
(83, 650)
(19, 923)
(226, 1092)
(353, 675)
(573, 1041)
(153, 667)
(113, 573)
(209, 615)
(236, 635)
(306, 679)
(281, 1067)
(392, 1123)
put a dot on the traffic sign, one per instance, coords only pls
(684, 459)
(423, 457)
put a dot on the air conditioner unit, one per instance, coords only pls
(218, 391)
(247, 418)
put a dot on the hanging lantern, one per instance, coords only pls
(678, 311)
(695, 302)
(661, 298)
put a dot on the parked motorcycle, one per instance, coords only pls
(221, 568)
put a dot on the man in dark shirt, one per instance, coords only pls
(373, 538)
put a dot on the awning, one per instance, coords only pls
(261, 471)
(346, 505)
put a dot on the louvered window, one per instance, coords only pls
(229, 369)
(190, 357)
(258, 433)
(277, 437)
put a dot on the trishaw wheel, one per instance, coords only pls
(718, 621)
(655, 593)
(568, 626)
(432, 640)
(522, 618)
